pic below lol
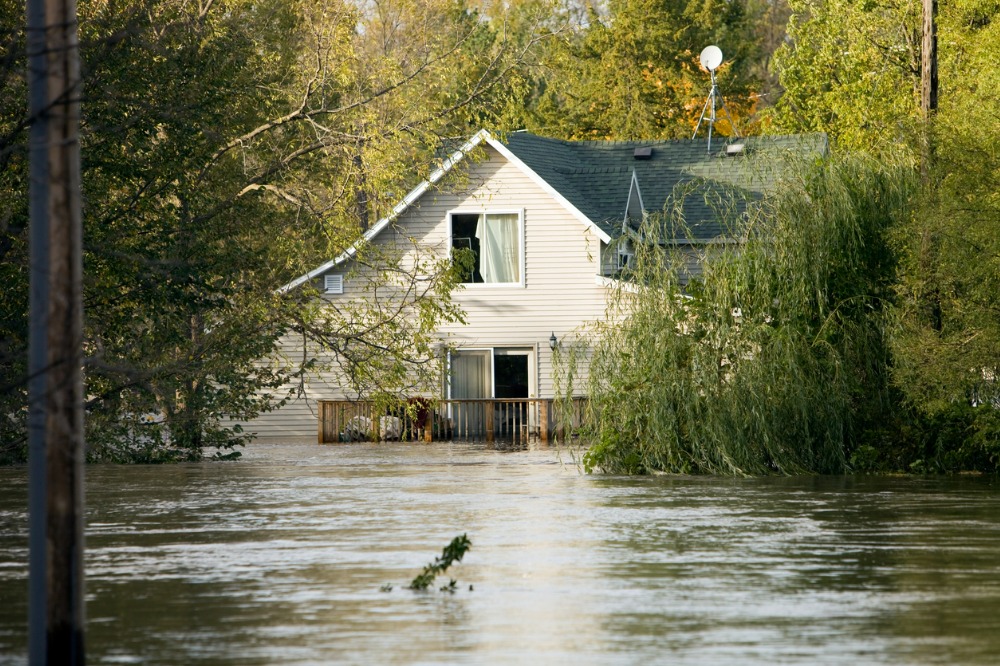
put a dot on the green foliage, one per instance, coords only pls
(776, 360)
(959, 438)
(632, 72)
(177, 275)
(13, 236)
(865, 459)
(948, 346)
(850, 69)
(969, 439)
(451, 554)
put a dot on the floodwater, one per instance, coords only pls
(279, 559)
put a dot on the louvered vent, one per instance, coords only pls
(334, 284)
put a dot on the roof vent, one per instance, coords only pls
(645, 153)
(734, 149)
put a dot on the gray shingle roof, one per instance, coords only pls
(595, 176)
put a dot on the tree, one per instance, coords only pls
(228, 147)
(633, 72)
(948, 348)
(13, 232)
(775, 360)
(853, 70)
(769, 19)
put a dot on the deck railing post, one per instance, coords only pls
(489, 420)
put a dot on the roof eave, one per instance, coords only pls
(397, 210)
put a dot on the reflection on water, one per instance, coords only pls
(279, 558)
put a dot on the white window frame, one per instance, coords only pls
(530, 351)
(333, 283)
(520, 233)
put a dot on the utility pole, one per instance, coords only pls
(928, 84)
(55, 390)
(928, 106)
(928, 61)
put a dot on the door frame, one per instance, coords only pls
(531, 351)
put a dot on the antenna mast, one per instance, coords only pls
(711, 58)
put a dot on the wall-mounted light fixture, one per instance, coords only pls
(553, 341)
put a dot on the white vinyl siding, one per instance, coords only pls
(298, 419)
(561, 260)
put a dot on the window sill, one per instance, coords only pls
(493, 285)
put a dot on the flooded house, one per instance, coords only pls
(550, 225)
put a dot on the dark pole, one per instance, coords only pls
(928, 60)
(56, 609)
(38, 313)
(928, 84)
(928, 107)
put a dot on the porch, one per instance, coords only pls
(512, 421)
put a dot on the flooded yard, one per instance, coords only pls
(281, 558)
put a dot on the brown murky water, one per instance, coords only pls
(278, 559)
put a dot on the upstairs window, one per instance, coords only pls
(495, 241)
(621, 257)
(625, 260)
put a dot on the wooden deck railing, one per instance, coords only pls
(515, 421)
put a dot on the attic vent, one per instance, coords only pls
(334, 284)
(643, 153)
(734, 149)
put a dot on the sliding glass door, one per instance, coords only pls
(502, 373)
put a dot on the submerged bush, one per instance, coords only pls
(775, 359)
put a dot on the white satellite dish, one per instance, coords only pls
(711, 57)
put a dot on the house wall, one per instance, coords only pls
(560, 293)
(562, 262)
(297, 420)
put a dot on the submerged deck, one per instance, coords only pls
(515, 421)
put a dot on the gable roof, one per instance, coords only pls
(594, 180)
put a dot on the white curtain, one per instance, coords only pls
(499, 248)
(470, 375)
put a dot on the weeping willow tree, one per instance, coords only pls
(774, 360)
